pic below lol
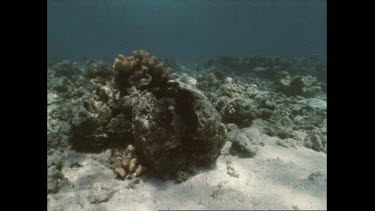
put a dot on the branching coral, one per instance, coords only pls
(128, 165)
(142, 71)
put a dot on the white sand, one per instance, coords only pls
(276, 178)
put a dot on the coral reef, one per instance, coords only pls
(298, 76)
(208, 80)
(184, 78)
(172, 124)
(282, 97)
(110, 129)
(290, 116)
(241, 104)
(255, 66)
(97, 68)
(268, 67)
(67, 69)
(306, 86)
(67, 87)
(89, 125)
(173, 64)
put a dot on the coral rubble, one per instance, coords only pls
(306, 86)
(282, 97)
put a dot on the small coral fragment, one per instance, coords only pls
(138, 170)
(126, 160)
(118, 162)
(128, 166)
(120, 172)
(133, 164)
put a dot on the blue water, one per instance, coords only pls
(189, 30)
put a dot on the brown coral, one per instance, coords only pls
(120, 172)
(128, 165)
(142, 71)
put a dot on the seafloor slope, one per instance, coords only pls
(274, 153)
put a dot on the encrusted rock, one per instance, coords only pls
(315, 103)
(55, 180)
(177, 132)
(316, 141)
(306, 86)
(67, 69)
(100, 193)
(97, 68)
(242, 146)
(242, 104)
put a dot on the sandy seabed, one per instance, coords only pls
(276, 178)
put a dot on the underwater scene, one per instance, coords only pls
(186, 105)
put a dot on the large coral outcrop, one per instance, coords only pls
(173, 126)
(178, 131)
